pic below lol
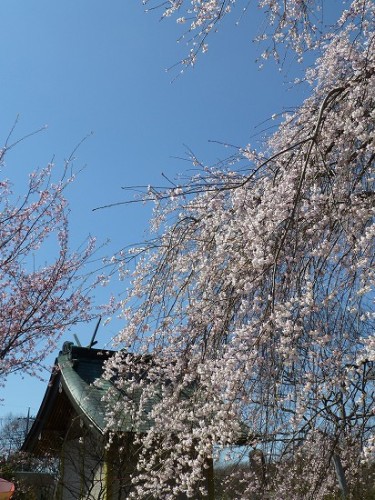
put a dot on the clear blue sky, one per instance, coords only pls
(88, 65)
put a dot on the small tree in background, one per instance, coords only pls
(256, 296)
(13, 431)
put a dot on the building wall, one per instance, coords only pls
(82, 472)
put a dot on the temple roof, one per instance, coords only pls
(71, 393)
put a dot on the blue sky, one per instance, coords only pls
(88, 65)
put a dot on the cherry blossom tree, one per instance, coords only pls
(252, 309)
(40, 296)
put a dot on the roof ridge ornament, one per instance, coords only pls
(67, 347)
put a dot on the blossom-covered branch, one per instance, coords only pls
(296, 25)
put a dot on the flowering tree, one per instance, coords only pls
(37, 302)
(255, 299)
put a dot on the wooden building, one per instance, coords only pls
(70, 426)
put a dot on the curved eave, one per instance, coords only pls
(67, 396)
(85, 398)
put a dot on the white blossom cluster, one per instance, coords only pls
(252, 310)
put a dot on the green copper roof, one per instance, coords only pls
(76, 389)
(79, 370)
(81, 377)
